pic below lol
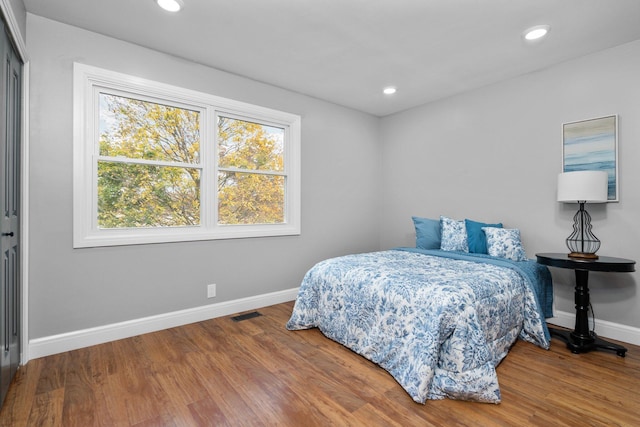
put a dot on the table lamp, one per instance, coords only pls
(583, 187)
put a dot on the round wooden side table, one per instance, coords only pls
(581, 339)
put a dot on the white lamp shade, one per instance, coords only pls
(583, 186)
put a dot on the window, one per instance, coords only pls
(148, 164)
(156, 163)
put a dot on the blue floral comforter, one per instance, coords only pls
(438, 322)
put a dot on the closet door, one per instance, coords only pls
(10, 108)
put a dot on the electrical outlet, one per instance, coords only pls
(211, 291)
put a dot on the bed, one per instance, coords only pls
(439, 321)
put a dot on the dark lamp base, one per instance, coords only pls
(582, 255)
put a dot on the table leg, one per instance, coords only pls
(581, 334)
(581, 339)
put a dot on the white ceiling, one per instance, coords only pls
(346, 51)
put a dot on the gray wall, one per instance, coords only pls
(73, 289)
(494, 154)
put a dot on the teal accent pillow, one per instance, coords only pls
(427, 232)
(475, 236)
(454, 235)
(505, 243)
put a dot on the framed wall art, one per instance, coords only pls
(592, 145)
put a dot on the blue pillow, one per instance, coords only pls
(475, 236)
(427, 233)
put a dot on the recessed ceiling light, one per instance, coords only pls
(537, 32)
(389, 90)
(170, 5)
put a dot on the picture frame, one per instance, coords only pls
(592, 144)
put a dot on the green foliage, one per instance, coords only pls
(148, 195)
(133, 195)
(159, 184)
(250, 198)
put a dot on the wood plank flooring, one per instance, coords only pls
(256, 373)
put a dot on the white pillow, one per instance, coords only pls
(454, 235)
(505, 243)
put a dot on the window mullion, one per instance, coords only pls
(207, 159)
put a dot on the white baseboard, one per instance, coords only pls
(603, 328)
(54, 344)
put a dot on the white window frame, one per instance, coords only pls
(89, 81)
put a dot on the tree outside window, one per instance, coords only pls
(251, 182)
(149, 170)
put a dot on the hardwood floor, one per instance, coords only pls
(255, 372)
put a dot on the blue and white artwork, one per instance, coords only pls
(592, 145)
